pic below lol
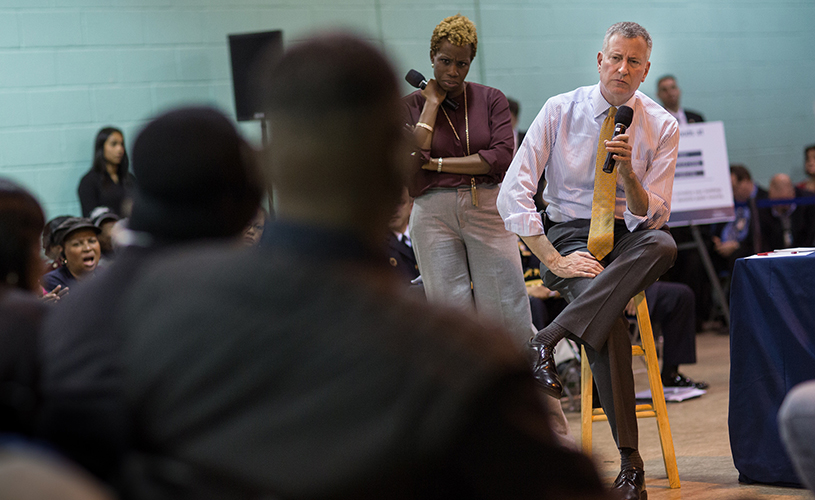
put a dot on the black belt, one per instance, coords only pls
(548, 223)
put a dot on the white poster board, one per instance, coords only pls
(702, 191)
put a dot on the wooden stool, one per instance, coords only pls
(658, 409)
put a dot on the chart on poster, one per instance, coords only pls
(702, 193)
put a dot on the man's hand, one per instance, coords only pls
(631, 308)
(725, 249)
(575, 265)
(635, 196)
(619, 147)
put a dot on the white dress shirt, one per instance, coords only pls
(562, 141)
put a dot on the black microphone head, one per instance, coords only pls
(624, 115)
(415, 79)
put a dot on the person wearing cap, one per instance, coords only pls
(196, 179)
(79, 250)
(104, 219)
(49, 243)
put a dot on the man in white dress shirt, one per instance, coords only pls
(562, 143)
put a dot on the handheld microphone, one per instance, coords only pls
(416, 79)
(622, 120)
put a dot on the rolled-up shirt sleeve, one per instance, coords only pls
(499, 152)
(515, 200)
(657, 179)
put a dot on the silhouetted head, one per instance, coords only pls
(338, 154)
(195, 177)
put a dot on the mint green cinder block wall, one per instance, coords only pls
(69, 67)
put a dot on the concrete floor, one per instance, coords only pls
(700, 435)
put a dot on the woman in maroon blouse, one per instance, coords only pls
(466, 256)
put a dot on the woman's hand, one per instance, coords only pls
(433, 93)
(55, 294)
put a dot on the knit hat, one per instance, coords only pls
(195, 177)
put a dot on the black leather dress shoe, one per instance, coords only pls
(543, 368)
(679, 380)
(630, 485)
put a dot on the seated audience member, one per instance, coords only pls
(788, 225)
(742, 236)
(49, 244)
(796, 424)
(21, 221)
(104, 219)
(259, 374)
(108, 183)
(197, 180)
(253, 232)
(400, 249)
(671, 306)
(808, 184)
(79, 251)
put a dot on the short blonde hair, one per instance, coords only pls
(458, 30)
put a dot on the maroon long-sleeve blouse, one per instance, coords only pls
(490, 136)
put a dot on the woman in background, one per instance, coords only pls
(108, 182)
(21, 222)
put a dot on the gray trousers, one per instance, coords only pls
(796, 424)
(457, 243)
(594, 314)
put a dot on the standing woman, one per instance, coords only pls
(463, 153)
(108, 182)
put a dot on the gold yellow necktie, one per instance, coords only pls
(601, 231)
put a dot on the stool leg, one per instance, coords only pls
(586, 402)
(657, 394)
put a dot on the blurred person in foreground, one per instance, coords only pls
(197, 180)
(21, 221)
(268, 376)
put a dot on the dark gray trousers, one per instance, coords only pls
(595, 317)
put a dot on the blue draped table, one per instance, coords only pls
(772, 348)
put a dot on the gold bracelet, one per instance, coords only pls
(424, 126)
(439, 168)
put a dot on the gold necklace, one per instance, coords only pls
(466, 122)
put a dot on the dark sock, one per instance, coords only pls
(669, 370)
(630, 457)
(551, 335)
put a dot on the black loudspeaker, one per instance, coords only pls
(253, 56)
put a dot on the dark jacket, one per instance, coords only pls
(267, 376)
(20, 318)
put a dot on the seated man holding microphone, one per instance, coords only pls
(600, 239)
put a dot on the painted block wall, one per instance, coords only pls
(70, 67)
